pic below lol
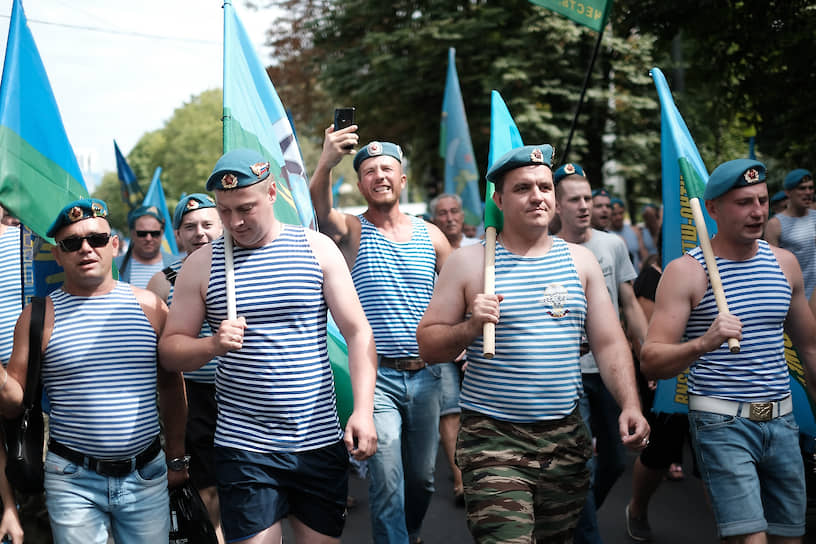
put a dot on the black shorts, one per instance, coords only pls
(202, 412)
(256, 490)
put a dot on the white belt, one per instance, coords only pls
(755, 411)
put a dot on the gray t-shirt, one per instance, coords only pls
(613, 256)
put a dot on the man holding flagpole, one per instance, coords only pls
(279, 448)
(523, 446)
(744, 435)
(393, 259)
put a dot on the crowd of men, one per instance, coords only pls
(215, 366)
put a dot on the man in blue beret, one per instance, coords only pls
(105, 469)
(601, 209)
(742, 427)
(144, 256)
(393, 259)
(779, 201)
(279, 448)
(523, 446)
(794, 228)
(196, 224)
(575, 202)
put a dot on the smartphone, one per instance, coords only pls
(343, 117)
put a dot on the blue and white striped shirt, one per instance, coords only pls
(99, 371)
(10, 289)
(277, 392)
(394, 281)
(535, 374)
(205, 374)
(759, 295)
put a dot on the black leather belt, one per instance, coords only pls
(401, 363)
(115, 468)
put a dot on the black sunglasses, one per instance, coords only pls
(73, 243)
(145, 233)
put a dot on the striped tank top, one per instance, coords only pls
(535, 374)
(99, 371)
(10, 302)
(394, 281)
(277, 392)
(798, 235)
(205, 374)
(759, 295)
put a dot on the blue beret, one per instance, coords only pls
(141, 211)
(601, 192)
(238, 168)
(616, 200)
(375, 149)
(732, 174)
(779, 196)
(568, 169)
(795, 177)
(529, 155)
(87, 208)
(195, 201)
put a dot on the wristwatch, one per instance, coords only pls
(179, 463)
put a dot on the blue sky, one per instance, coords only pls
(120, 68)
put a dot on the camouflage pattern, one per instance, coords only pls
(524, 482)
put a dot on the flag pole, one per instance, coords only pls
(489, 329)
(229, 263)
(583, 94)
(694, 189)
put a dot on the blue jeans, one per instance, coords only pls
(587, 530)
(84, 506)
(753, 472)
(611, 459)
(401, 473)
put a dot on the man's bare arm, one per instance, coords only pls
(773, 230)
(331, 222)
(681, 287)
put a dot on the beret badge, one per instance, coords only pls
(537, 156)
(192, 204)
(259, 168)
(374, 148)
(569, 168)
(229, 181)
(98, 210)
(751, 175)
(75, 214)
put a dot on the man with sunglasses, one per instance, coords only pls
(144, 256)
(105, 470)
(794, 228)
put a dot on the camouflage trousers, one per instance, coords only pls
(524, 482)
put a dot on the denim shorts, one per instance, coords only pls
(753, 472)
(256, 490)
(449, 401)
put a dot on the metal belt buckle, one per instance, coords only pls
(761, 411)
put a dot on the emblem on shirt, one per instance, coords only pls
(228, 181)
(751, 175)
(75, 214)
(536, 156)
(259, 168)
(555, 297)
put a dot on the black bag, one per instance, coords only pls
(25, 433)
(189, 521)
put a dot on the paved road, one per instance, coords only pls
(678, 513)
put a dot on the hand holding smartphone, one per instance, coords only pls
(343, 117)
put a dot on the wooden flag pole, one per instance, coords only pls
(711, 264)
(489, 329)
(229, 276)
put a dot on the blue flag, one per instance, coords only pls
(155, 198)
(39, 173)
(461, 173)
(131, 192)
(255, 118)
(504, 136)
